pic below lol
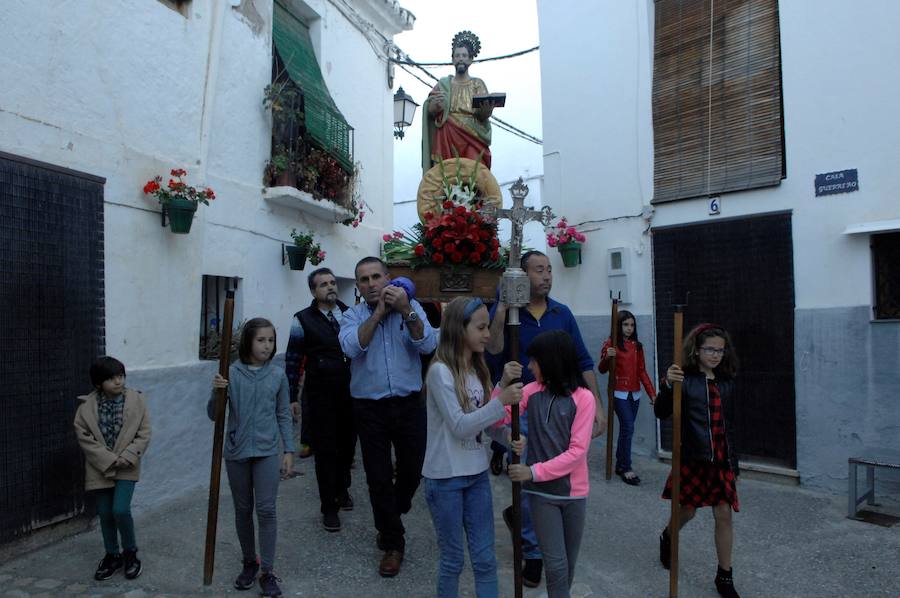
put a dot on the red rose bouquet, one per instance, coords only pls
(458, 235)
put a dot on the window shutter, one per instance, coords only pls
(324, 122)
(717, 110)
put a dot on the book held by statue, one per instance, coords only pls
(498, 99)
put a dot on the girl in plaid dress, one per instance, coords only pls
(709, 466)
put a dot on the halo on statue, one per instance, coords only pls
(457, 172)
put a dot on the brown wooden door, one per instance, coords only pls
(740, 274)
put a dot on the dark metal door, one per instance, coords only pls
(740, 274)
(51, 328)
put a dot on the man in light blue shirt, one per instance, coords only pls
(384, 338)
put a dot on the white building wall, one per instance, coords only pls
(597, 59)
(839, 91)
(130, 91)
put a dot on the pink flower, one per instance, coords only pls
(562, 223)
(551, 241)
(398, 235)
(355, 223)
(386, 238)
(321, 255)
(570, 231)
(580, 238)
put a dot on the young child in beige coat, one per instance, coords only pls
(113, 428)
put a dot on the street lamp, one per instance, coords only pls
(404, 110)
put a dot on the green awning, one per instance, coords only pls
(324, 122)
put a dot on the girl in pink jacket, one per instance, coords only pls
(560, 412)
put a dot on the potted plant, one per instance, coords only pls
(280, 169)
(568, 241)
(305, 247)
(178, 199)
(284, 99)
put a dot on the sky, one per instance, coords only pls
(504, 27)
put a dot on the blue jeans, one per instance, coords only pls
(457, 504)
(626, 412)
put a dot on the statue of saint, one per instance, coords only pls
(451, 126)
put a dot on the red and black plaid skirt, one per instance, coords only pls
(708, 483)
(705, 484)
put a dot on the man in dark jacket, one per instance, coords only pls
(326, 388)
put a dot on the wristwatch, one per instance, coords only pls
(411, 317)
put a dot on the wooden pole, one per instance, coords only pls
(512, 320)
(675, 524)
(215, 472)
(611, 387)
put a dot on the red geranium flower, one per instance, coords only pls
(447, 204)
(151, 186)
(419, 250)
(438, 258)
(457, 257)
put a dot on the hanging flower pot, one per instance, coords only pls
(181, 215)
(178, 199)
(571, 254)
(568, 241)
(296, 256)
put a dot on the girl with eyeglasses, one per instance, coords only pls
(709, 466)
(460, 409)
(630, 374)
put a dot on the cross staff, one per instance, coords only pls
(675, 524)
(611, 384)
(215, 471)
(515, 292)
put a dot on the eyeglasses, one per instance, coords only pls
(711, 351)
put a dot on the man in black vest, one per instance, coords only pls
(314, 335)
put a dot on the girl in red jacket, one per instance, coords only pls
(630, 374)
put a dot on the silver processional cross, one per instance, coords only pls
(515, 290)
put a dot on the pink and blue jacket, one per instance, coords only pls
(559, 436)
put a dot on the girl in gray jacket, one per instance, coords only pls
(259, 447)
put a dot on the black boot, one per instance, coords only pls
(108, 566)
(131, 563)
(268, 585)
(725, 583)
(247, 577)
(531, 572)
(665, 549)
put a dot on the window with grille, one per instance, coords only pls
(886, 268)
(212, 314)
(717, 105)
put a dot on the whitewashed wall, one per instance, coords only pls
(840, 90)
(128, 90)
(839, 110)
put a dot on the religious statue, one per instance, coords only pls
(452, 125)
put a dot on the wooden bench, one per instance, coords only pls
(886, 460)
